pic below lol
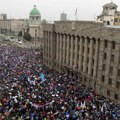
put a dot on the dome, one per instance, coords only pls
(34, 11)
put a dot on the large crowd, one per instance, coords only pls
(56, 96)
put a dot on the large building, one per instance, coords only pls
(88, 51)
(110, 15)
(34, 26)
(8, 26)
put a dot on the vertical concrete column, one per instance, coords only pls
(116, 65)
(100, 62)
(76, 52)
(65, 49)
(61, 48)
(71, 53)
(96, 59)
(44, 40)
(90, 57)
(85, 55)
(64, 46)
(57, 48)
(116, 60)
(80, 55)
(48, 46)
(67, 55)
(108, 62)
(60, 59)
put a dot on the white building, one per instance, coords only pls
(108, 14)
(34, 24)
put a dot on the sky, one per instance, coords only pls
(51, 9)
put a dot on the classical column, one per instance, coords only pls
(64, 47)
(44, 40)
(100, 62)
(85, 55)
(76, 52)
(108, 60)
(68, 47)
(90, 57)
(60, 58)
(57, 47)
(116, 60)
(80, 55)
(96, 59)
(48, 46)
(71, 53)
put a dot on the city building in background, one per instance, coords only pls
(3, 16)
(110, 15)
(63, 16)
(86, 50)
(34, 26)
(10, 26)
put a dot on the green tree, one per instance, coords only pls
(20, 33)
(27, 36)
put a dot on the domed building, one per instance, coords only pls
(34, 17)
(35, 25)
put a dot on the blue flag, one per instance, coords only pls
(42, 76)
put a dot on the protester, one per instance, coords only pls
(34, 92)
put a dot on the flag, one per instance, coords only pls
(76, 12)
(42, 76)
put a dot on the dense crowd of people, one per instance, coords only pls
(56, 96)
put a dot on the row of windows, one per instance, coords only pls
(112, 57)
(116, 97)
(117, 85)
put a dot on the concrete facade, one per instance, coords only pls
(11, 25)
(86, 50)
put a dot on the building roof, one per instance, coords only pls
(34, 11)
(110, 5)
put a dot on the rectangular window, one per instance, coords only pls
(118, 72)
(112, 58)
(111, 70)
(93, 62)
(87, 70)
(83, 49)
(110, 81)
(93, 51)
(113, 45)
(88, 60)
(117, 84)
(116, 19)
(92, 72)
(116, 96)
(103, 78)
(104, 67)
(105, 56)
(108, 92)
(105, 43)
(88, 50)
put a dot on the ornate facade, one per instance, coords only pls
(110, 15)
(86, 50)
